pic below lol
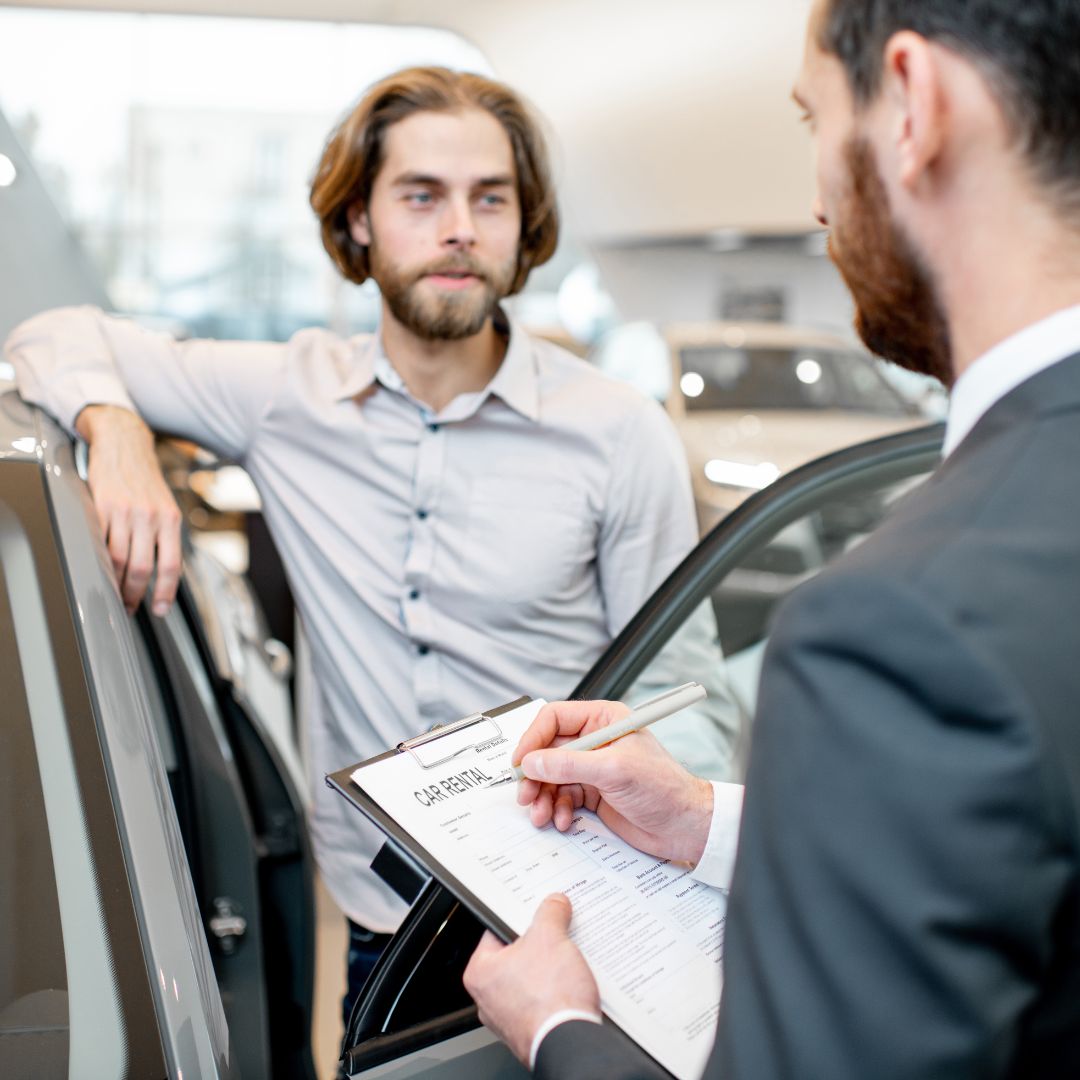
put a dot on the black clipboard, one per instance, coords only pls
(407, 847)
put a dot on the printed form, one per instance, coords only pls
(651, 933)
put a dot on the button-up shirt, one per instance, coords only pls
(1004, 367)
(442, 562)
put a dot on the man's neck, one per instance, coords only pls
(999, 280)
(436, 372)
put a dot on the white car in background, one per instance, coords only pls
(754, 400)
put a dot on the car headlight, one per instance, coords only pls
(737, 474)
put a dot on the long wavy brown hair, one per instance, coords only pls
(354, 154)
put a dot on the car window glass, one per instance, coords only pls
(722, 642)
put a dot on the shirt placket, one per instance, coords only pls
(419, 560)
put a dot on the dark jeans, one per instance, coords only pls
(365, 947)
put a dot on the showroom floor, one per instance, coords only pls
(330, 943)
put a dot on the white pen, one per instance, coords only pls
(648, 712)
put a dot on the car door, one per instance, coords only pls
(414, 1018)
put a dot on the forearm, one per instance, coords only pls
(211, 392)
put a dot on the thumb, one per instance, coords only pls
(554, 914)
(569, 767)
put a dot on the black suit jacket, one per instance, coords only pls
(905, 902)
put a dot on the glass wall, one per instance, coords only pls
(180, 151)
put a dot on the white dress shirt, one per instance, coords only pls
(441, 562)
(1006, 366)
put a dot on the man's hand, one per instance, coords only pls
(635, 786)
(138, 514)
(517, 987)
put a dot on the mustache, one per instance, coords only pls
(457, 264)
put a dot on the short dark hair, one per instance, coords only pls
(1027, 50)
(354, 154)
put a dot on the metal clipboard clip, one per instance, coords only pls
(462, 734)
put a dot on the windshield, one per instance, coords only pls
(721, 377)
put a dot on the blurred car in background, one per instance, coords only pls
(754, 400)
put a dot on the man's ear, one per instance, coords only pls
(913, 92)
(359, 229)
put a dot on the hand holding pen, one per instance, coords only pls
(635, 786)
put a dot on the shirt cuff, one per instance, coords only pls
(90, 388)
(718, 859)
(552, 1022)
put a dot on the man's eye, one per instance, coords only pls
(492, 200)
(419, 198)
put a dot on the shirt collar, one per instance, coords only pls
(361, 374)
(516, 382)
(1006, 366)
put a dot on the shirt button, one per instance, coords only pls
(414, 594)
(433, 428)
(421, 514)
(423, 650)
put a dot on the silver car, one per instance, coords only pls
(754, 400)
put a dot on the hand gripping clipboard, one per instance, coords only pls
(436, 750)
(431, 749)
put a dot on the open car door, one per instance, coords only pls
(414, 1017)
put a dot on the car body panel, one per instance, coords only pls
(186, 990)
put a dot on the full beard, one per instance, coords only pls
(898, 312)
(450, 316)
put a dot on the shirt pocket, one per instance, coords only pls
(531, 539)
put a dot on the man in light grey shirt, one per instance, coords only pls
(465, 513)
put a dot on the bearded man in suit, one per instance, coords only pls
(906, 894)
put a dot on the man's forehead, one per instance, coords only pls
(466, 141)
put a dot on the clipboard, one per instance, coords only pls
(426, 751)
(431, 754)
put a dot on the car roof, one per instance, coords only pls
(736, 335)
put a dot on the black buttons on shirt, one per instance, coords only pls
(421, 514)
(414, 594)
(433, 428)
(423, 650)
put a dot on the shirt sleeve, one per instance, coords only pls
(716, 864)
(211, 392)
(649, 524)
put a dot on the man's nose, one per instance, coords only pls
(458, 226)
(818, 210)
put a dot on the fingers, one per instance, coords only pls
(118, 538)
(168, 563)
(565, 719)
(543, 807)
(601, 769)
(553, 916)
(488, 945)
(140, 563)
